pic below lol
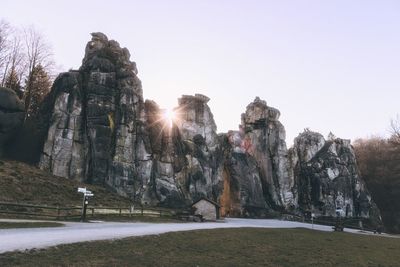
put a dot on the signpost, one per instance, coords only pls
(86, 194)
(312, 220)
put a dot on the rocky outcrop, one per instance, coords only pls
(101, 131)
(243, 192)
(195, 118)
(257, 172)
(185, 153)
(96, 118)
(11, 115)
(264, 139)
(328, 179)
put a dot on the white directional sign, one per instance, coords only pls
(81, 189)
(86, 193)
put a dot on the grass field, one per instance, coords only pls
(222, 247)
(11, 225)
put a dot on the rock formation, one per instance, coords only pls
(266, 138)
(97, 111)
(12, 114)
(258, 163)
(328, 179)
(101, 131)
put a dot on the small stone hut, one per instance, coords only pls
(206, 208)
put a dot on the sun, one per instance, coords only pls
(169, 117)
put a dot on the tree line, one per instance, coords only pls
(378, 159)
(26, 64)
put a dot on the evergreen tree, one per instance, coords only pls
(13, 82)
(37, 87)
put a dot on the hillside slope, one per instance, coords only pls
(23, 183)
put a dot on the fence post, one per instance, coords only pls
(58, 213)
(92, 212)
(142, 211)
(160, 213)
(120, 211)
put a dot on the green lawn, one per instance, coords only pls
(222, 247)
(10, 225)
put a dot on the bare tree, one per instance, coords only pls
(15, 62)
(25, 59)
(4, 46)
(395, 130)
(4, 34)
(12, 54)
(38, 53)
(378, 160)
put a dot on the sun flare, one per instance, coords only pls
(169, 116)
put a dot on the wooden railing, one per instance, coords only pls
(58, 212)
(348, 222)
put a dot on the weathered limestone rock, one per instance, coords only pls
(242, 194)
(264, 139)
(328, 178)
(197, 128)
(11, 115)
(184, 155)
(195, 118)
(308, 144)
(167, 157)
(97, 111)
(64, 153)
(102, 132)
(257, 172)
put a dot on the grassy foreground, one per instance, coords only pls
(11, 225)
(222, 247)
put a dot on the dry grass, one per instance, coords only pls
(12, 225)
(222, 247)
(23, 183)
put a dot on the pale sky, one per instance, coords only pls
(326, 65)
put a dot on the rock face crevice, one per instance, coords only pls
(101, 131)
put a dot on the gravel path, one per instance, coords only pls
(29, 238)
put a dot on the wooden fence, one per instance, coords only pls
(360, 223)
(65, 213)
(68, 213)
